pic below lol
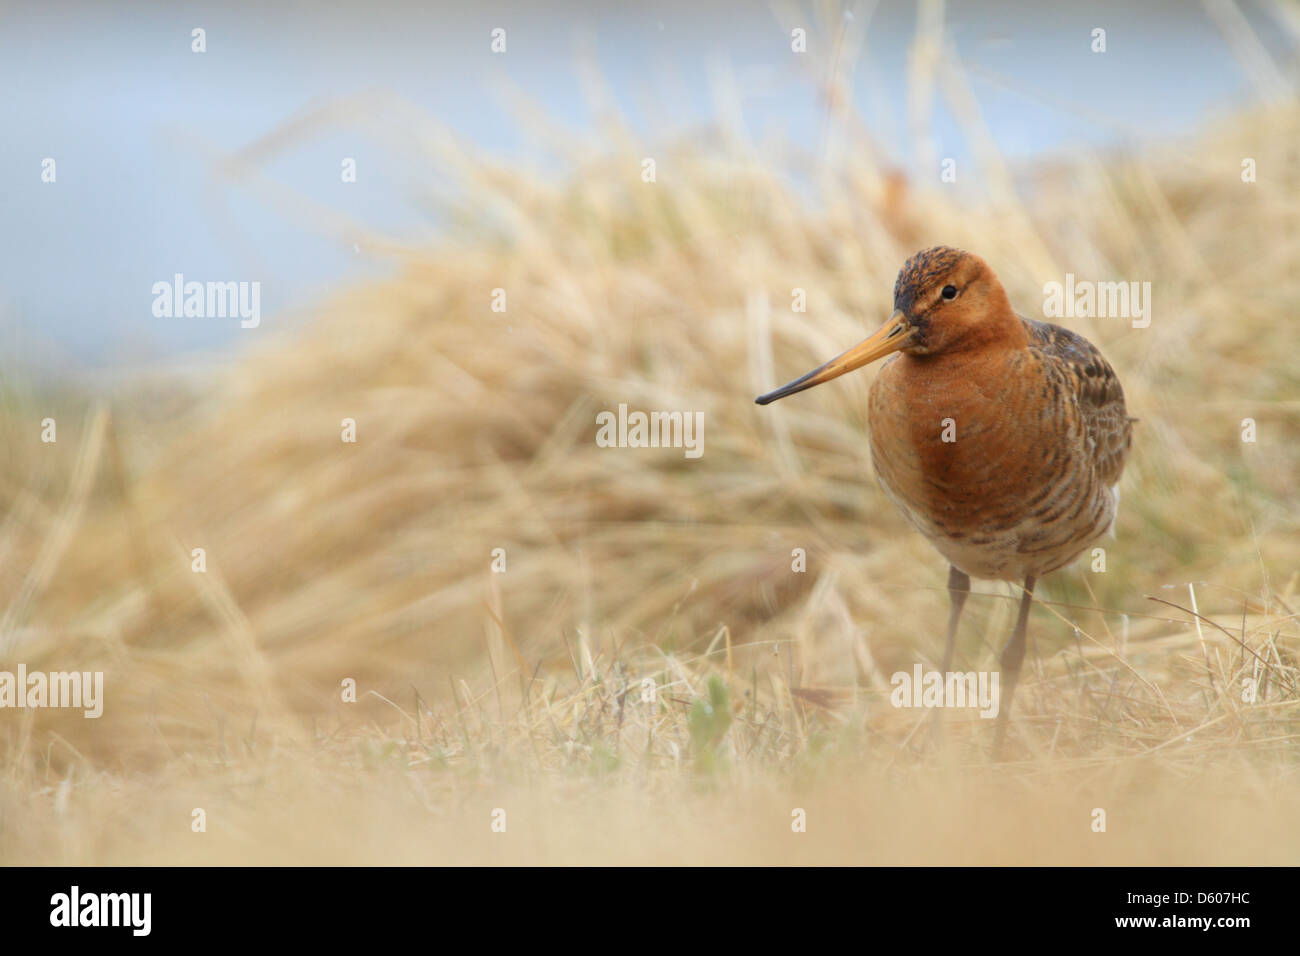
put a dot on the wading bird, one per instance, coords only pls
(1000, 438)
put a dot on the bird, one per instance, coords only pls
(1000, 438)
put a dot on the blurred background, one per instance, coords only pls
(495, 585)
(144, 131)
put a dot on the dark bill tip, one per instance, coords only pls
(789, 388)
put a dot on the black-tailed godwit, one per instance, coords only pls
(1000, 438)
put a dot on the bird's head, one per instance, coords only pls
(945, 300)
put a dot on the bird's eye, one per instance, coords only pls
(950, 292)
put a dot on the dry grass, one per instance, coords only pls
(522, 690)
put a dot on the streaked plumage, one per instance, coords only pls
(1037, 420)
(1041, 434)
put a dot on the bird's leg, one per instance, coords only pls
(958, 588)
(1013, 656)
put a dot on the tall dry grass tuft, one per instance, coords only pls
(475, 431)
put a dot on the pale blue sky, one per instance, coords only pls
(136, 121)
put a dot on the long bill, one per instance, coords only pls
(890, 337)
